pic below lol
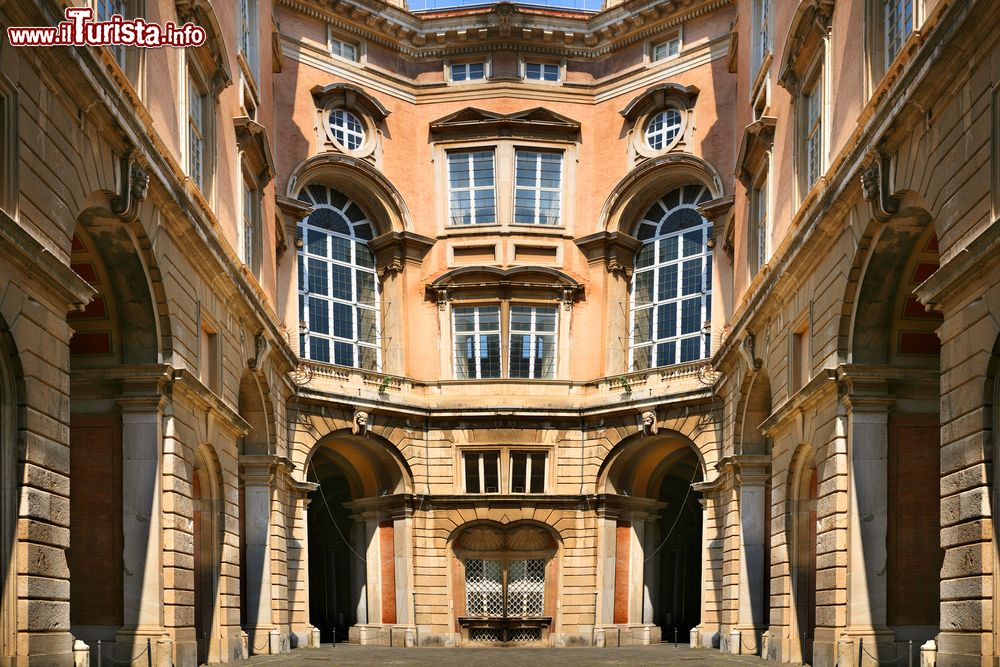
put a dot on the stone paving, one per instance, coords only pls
(363, 656)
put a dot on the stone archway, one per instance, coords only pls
(9, 483)
(802, 498)
(208, 531)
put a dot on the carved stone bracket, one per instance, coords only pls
(748, 348)
(134, 183)
(393, 250)
(261, 347)
(616, 249)
(875, 180)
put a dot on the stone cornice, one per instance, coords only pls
(575, 34)
(817, 223)
(18, 246)
(969, 266)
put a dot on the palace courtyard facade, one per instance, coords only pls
(502, 325)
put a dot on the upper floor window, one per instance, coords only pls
(757, 236)
(105, 10)
(663, 128)
(346, 129)
(477, 342)
(898, 26)
(537, 187)
(527, 471)
(812, 131)
(761, 33)
(482, 471)
(531, 333)
(252, 240)
(248, 34)
(672, 284)
(468, 71)
(338, 289)
(472, 187)
(342, 49)
(667, 49)
(536, 71)
(199, 115)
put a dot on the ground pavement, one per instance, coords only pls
(632, 656)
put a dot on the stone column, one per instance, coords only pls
(258, 481)
(868, 520)
(142, 521)
(751, 474)
(298, 565)
(606, 541)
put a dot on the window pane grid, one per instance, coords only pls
(196, 131)
(477, 342)
(337, 284)
(468, 71)
(898, 26)
(484, 588)
(666, 49)
(105, 10)
(671, 287)
(343, 49)
(537, 189)
(814, 141)
(541, 71)
(663, 128)
(533, 342)
(347, 129)
(472, 188)
(527, 472)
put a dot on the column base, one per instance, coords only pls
(745, 640)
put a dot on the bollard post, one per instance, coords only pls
(861, 651)
(149, 652)
(675, 636)
(99, 663)
(909, 652)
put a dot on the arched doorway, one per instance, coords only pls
(802, 509)
(353, 517)
(206, 502)
(505, 580)
(652, 479)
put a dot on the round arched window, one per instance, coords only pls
(346, 129)
(672, 283)
(663, 128)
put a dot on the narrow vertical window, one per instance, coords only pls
(672, 284)
(757, 238)
(197, 101)
(477, 342)
(208, 358)
(482, 472)
(248, 34)
(105, 10)
(8, 147)
(472, 188)
(799, 363)
(814, 132)
(527, 472)
(533, 342)
(251, 240)
(898, 26)
(338, 288)
(538, 187)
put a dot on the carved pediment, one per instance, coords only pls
(211, 55)
(349, 96)
(657, 96)
(535, 122)
(758, 138)
(252, 139)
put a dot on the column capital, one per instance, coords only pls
(746, 469)
(141, 404)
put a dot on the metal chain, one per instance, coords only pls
(749, 648)
(127, 662)
(881, 662)
(257, 650)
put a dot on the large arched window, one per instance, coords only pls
(338, 288)
(671, 299)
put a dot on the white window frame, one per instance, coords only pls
(531, 455)
(479, 333)
(534, 334)
(249, 35)
(812, 130)
(763, 16)
(198, 170)
(537, 188)
(480, 456)
(472, 188)
(543, 68)
(678, 297)
(893, 46)
(664, 130)
(354, 266)
(251, 238)
(759, 225)
(344, 128)
(466, 65)
(665, 43)
(336, 46)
